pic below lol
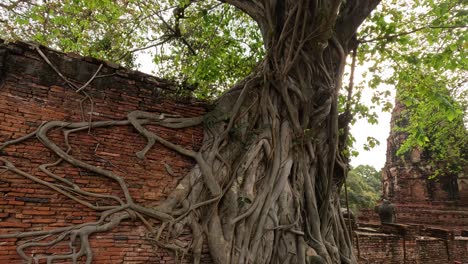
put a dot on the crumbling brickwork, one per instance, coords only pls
(408, 244)
(418, 199)
(431, 215)
(407, 178)
(378, 248)
(30, 93)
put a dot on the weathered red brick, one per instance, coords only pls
(25, 101)
(14, 224)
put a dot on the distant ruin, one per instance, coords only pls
(432, 214)
(407, 179)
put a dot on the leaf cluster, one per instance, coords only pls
(364, 188)
(419, 47)
(204, 45)
(103, 29)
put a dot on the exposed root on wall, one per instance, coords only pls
(123, 208)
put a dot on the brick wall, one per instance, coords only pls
(378, 248)
(31, 92)
(409, 244)
(433, 216)
(460, 249)
(432, 251)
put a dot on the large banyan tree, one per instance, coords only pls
(265, 187)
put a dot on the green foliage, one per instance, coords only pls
(219, 46)
(443, 138)
(364, 188)
(419, 47)
(98, 28)
(207, 45)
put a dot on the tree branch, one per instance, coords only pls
(351, 17)
(393, 36)
(252, 8)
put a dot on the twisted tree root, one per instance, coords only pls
(111, 215)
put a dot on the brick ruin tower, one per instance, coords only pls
(407, 179)
(440, 202)
(431, 214)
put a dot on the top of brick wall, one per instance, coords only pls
(79, 69)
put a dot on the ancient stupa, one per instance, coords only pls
(421, 199)
(431, 213)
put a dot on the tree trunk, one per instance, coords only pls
(271, 154)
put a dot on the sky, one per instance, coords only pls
(360, 130)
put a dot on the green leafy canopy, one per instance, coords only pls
(422, 44)
(205, 44)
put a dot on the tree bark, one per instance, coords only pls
(274, 142)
